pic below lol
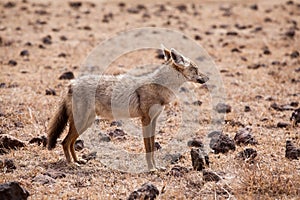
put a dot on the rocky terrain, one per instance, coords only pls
(255, 45)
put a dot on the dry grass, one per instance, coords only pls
(25, 109)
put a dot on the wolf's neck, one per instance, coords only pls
(168, 77)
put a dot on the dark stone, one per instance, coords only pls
(9, 4)
(291, 152)
(235, 50)
(295, 118)
(223, 108)
(13, 191)
(117, 133)
(75, 4)
(39, 140)
(2, 85)
(241, 27)
(47, 39)
(197, 103)
(266, 51)
(67, 76)
(121, 4)
(90, 156)
(41, 46)
(178, 171)
(50, 91)
(295, 54)
(55, 29)
(141, 7)
(79, 145)
(256, 66)
(12, 63)
(268, 19)
(87, 28)
(24, 53)
(247, 109)
(257, 29)
(254, 7)
(275, 62)
(28, 44)
(210, 176)
(107, 17)
(244, 136)
(208, 33)
(232, 33)
(195, 143)
(62, 55)
(293, 104)
(221, 144)
(198, 37)
(8, 142)
(147, 191)
(41, 12)
(247, 154)
(63, 38)
(182, 7)
(199, 159)
(8, 165)
(290, 33)
(282, 124)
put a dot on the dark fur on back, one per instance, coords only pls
(57, 125)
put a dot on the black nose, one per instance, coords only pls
(202, 80)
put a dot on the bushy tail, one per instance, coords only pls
(57, 125)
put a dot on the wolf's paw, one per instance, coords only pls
(81, 161)
(154, 169)
(161, 168)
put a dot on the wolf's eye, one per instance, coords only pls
(187, 63)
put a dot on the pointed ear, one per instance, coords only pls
(166, 52)
(178, 59)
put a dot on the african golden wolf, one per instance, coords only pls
(121, 96)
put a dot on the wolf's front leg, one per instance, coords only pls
(150, 164)
(147, 130)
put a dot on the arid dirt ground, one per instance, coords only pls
(254, 45)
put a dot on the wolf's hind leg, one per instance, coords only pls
(66, 144)
(76, 130)
(73, 137)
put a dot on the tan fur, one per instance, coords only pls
(123, 96)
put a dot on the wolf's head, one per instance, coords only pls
(184, 65)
